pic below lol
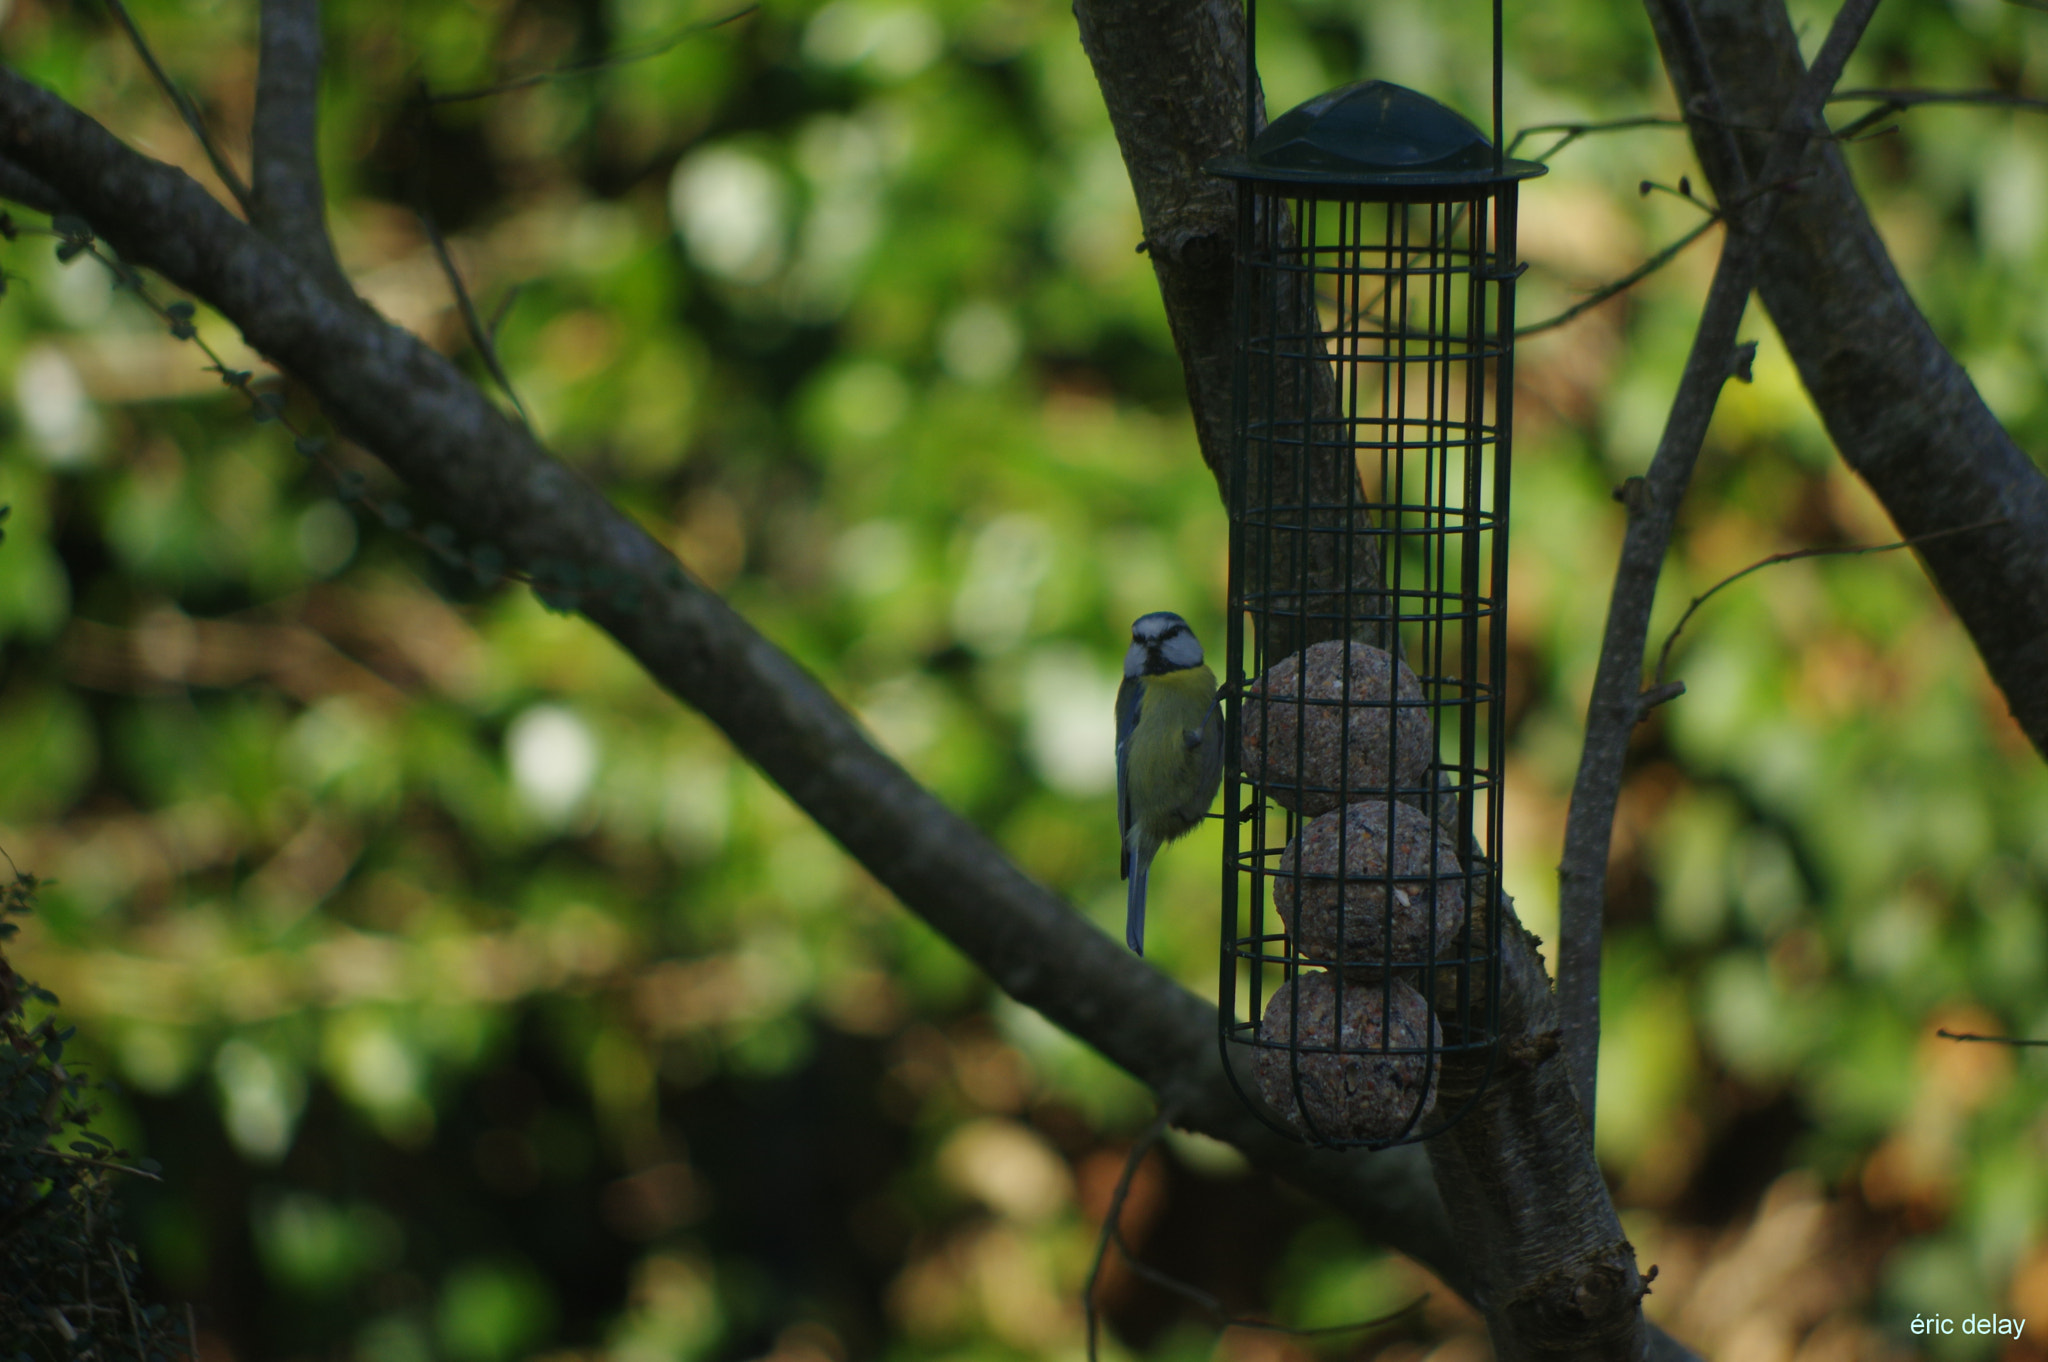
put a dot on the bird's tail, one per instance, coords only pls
(1134, 916)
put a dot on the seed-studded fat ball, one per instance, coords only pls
(1354, 1093)
(1309, 866)
(1342, 745)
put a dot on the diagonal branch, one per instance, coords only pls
(484, 338)
(1615, 705)
(187, 110)
(1621, 285)
(1890, 102)
(595, 64)
(438, 432)
(287, 201)
(1789, 556)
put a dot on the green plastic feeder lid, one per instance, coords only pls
(1373, 136)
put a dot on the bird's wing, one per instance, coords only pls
(1212, 755)
(1129, 696)
(1206, 753)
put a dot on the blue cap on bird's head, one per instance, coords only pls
(1161, 642)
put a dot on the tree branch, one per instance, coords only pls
(1899, 407)
(287, 202)
(18, 185)
(436, 430)
(1615, 707)
(411, 407)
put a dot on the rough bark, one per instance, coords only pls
(1552, 1271)
(1172, 75)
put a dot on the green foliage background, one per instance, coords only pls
(479, 1004)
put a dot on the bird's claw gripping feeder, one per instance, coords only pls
(1375, 277)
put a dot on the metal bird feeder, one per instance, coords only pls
(1375, 278)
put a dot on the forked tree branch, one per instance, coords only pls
(487, 476)
(1615, 707)
(408, 405)
(1898, 406)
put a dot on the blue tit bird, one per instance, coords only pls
(1169, 749)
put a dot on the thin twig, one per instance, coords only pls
(91, 1160)
(1890, 102)
(1657, 261)
(186, 109)
(502, 311)
(121, 1276)
(1682, 190)
(1657, 695)
(1572, 132)
(1113, 1233)
(479, 335)
(1146, 1139)
(1224, 1319)
(584, 68)
(1847, 551)
(1627, 281)
(1988, 1040)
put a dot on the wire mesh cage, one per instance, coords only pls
(1368, 576)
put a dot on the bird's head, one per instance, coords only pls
(1161, 642)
